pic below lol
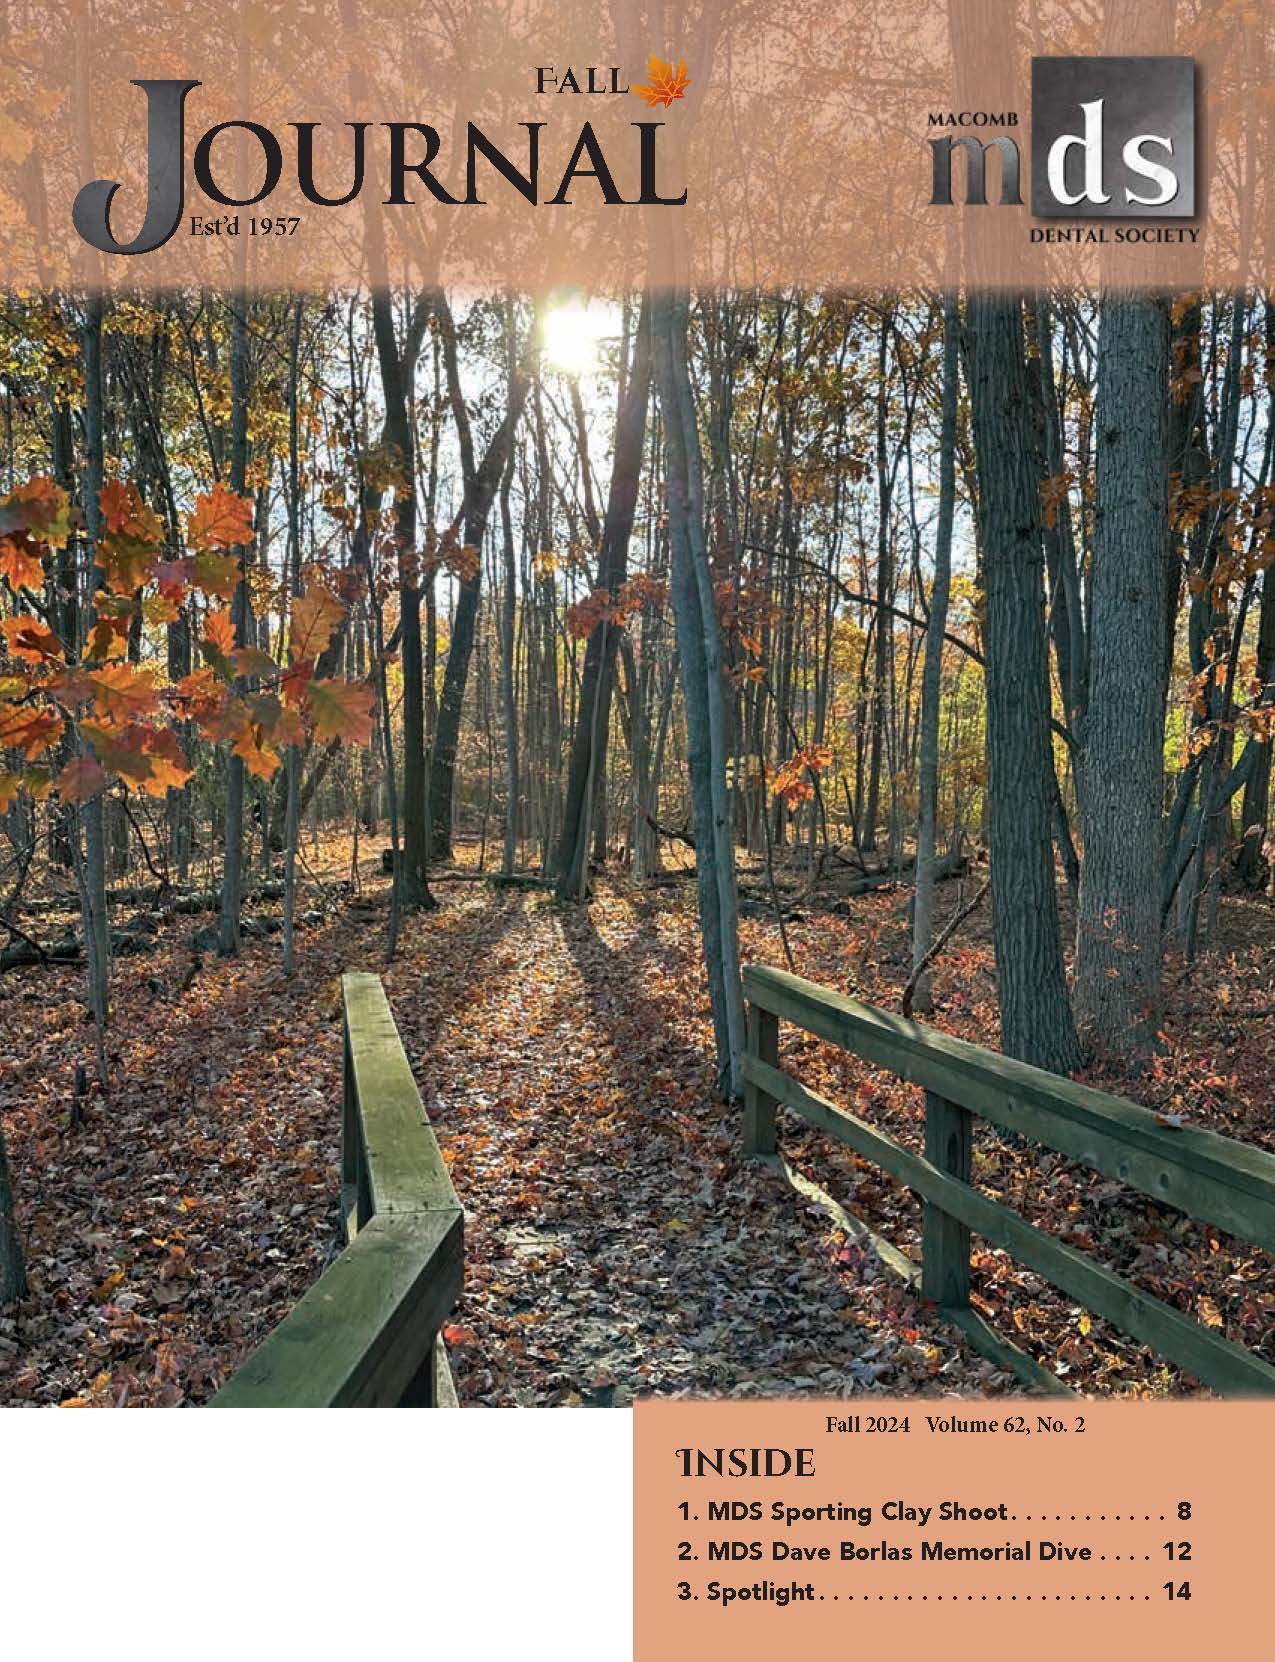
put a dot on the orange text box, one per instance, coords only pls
(1076, 1528)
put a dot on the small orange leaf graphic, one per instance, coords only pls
(666, 83)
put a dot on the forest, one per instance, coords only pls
(555, 658)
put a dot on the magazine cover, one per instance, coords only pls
(637, 678)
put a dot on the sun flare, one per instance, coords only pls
(573, 331)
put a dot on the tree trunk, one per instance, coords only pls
(232, 872)
(508, 695)
(292, 761)
(699, 645)
(932, 673)
(1122, 758)
(594, 712)
(91, 870)
(1036, 1020)
(1253, 858)
(396, 367)
(481, 482)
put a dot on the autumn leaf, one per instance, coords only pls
(251, 660)
(121, 748)
(168, 766)
(227, 721)
(1208, 1312)
(127, 562)
(37, 783)
(81, 779)
(39, 508)
(30, 730)
(341, 710)
(32, 641)
(257, 756)
(791, 782)
(199, 694)
(221, 520)
(103, 1291)
(315, 616)
(246, 724)
(21, 562)
(215, 573)
(132, 535)
(124, 691)
(158, 608)
(219, 632)
(172, 577)
(10, 785)
(108, 638)
(666, 83)
(34, 519)
(266, 710)
(123, 511)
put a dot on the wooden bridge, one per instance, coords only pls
(1207, 1176)
(366, 1335)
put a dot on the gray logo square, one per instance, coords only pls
(1113, 138)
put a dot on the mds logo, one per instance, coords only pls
(1111, 138)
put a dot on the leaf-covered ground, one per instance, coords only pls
(615, 1242)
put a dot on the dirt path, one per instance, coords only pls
(616, 1244)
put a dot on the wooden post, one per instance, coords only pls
(945, 1243)
(759, 1107)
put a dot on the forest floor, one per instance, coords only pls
(616, 1244)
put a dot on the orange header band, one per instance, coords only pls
(856, 145)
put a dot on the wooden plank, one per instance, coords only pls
(1218, 1179)
(404, 1166)
(444, 1385)
(981, 1335)
(945, 1240)
(1208, 1356)
(759, 1109)
(366, 1334)
(356, 1339)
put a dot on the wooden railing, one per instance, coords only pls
(1209, 1177)
(366, 1335)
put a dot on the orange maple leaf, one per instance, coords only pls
(315, 616)
(199, 695)
(220, 520)
(168, 765)
(257, 756)
(122, 691)
(340, 710)
(39, 509)
(666, 83)
(124, 512)
(21, 562)
(120, 747)
(82, 777)
(31, 640)
(28, 730)
(219, 631)
(215, 573)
